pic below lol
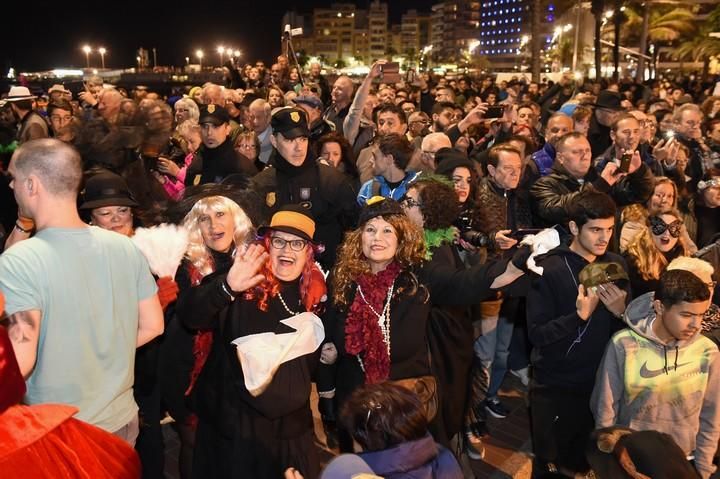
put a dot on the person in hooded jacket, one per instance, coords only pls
(569, 333)
(662, 374)
(389, 424)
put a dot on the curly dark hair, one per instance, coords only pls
(438, 202)
(348, 157)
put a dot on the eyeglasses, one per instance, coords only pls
(246, 147)
(408, 202)
(295, 245)
(429, 153)
(659, 227)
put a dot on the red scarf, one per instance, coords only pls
(362, 331)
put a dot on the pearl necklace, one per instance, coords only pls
(290, 311)
(383, 319)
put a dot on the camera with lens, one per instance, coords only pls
(468, 233)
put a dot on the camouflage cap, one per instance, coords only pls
(596, 274)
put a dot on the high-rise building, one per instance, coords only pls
(377, 30)
(414, 31)
(505, 31)
(454, 27)
(333, 31)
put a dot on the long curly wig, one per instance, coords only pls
(650, 260)
(351, 262)
(198, 254)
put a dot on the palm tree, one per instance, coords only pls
(700, 46)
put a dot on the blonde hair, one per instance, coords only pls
(351, 262)
(650, 261)
(198, 254)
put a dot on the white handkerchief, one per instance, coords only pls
(262, 354)
(541, 243)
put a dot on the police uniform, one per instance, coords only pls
(212, 165)
(322, 189)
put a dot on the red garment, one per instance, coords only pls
(45, 441)
(362, 331)
(167, 291)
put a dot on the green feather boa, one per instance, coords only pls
(434, 238)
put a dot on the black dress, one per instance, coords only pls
(240, 435)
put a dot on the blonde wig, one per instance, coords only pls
(198, 253)
(651, 262)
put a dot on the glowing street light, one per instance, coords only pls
(221, 52)
(102, 52)
(199, 54)
(87, 51)
(237, 53)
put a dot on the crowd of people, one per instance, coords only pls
(393, 250)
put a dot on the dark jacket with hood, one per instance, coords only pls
(215, 164)
(566, 350)
(673, 386)
(419, 459)
(552, 194)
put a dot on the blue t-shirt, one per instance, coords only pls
(87, 283)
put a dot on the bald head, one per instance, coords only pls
(434, 141)
(342, 91)
(260, 115)
(213, 95)
(109, 104)
(56, 164)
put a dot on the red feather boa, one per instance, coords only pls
(362, 331)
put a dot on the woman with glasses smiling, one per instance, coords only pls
(247, 144)
(253, 399)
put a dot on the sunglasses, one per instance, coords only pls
(658, 227)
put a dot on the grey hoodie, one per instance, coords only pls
(672, 387)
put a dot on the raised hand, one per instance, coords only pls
(243, 274)
(613, 298)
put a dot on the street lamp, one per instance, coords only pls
(221, 52)
(200, 55)
(102, 52)
(87, 51)
(237, 53)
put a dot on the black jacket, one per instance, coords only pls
(326, 192)
(566, 350)
(552, 194)
(215, 164)
(441, 284)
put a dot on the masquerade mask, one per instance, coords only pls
(658, 227)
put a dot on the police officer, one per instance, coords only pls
(216, 159)
(295, 177)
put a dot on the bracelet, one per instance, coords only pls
(21, 229)
(227, 290)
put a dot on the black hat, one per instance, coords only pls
(609, 100)
(215, 114)
(290, 122)
(106, 189)
(447, 159)
(246, 198)
(294, 219)
(379, 206)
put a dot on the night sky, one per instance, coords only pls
(43, 35)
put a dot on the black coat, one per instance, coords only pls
(215, 164)
(552, 194)
(419, 300)
(261, 435)
(566, 350)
